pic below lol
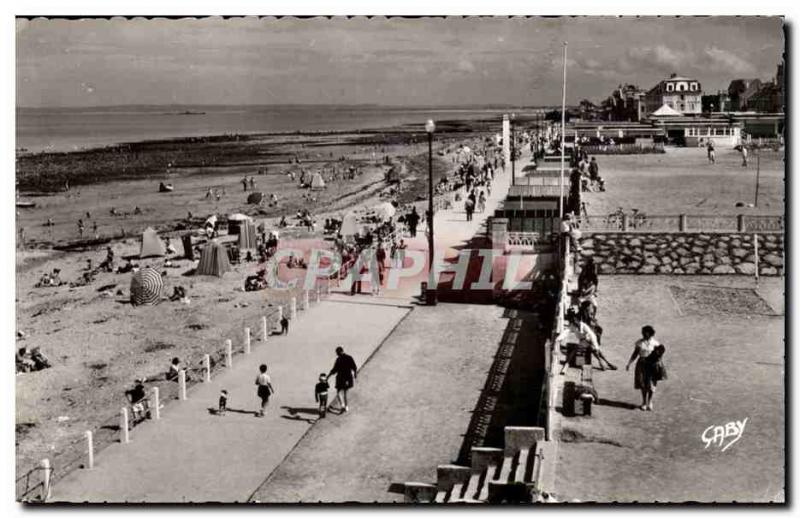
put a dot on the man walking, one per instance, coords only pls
(744, 156)
(412, 220)
(345, 369)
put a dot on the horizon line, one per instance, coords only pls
(215, 105)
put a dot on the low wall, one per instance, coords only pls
(691, 254)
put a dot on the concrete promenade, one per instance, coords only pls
(451, 231)
(409, 411)
(191, 455)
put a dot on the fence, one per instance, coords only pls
(35, 484)
(619, 222)
(623, 149)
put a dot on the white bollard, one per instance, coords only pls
(90, 449)
(45, 480)
(207, 368)
(247, 340)
(316, 294)
(280, 313)
(156, 410)
(182, 385)
(305, 300)
(293, 309)
(228, 354)
(264, 329)
(125, 436)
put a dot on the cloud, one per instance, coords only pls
(465, 65)
(722, 60)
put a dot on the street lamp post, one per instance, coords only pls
(513, 150)
(430, 293)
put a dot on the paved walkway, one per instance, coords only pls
(191, 455)
(451, 231)
(410, 410)
(724, 364)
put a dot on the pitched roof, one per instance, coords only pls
(666, 111)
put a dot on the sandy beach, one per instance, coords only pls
(98, 343)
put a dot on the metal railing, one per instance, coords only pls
(623, 149)
(638, 222)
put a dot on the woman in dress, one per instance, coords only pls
(643, 373)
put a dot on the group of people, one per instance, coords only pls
(584, 331)
(344, 368)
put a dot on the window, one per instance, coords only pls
(694, 87)
(670, 87)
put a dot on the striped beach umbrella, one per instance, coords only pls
(146, 287)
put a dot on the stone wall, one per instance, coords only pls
(683, 253)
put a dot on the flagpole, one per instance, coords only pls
(563, 127)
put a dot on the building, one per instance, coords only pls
(740, 91)
(718, 102)
(697, 131)
(624, 104)
(682, 94)
(770, 96)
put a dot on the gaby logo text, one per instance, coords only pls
(724, 436)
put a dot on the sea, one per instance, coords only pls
(70, 129)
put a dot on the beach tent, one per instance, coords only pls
(255, 198)
(146, 287)
(317, 183)
(350, 224)
(666, 111)
(151, 244)
(384, 210)
(236, 222)
(247, 236)
(213, 260)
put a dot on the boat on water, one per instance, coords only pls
(26, 204)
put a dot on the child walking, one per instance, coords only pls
(223, 402)
(321, 394)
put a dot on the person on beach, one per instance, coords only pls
(252, 183)
(412, 220)
(244, 184)
(321, 394)
(481, 201)
(284, 325)
(80, 227)
(346, 372)
(223, 402)
(642, 374)
(580, 333)
(469, 207)
(264, 390)
(744, 156)
(712, 158)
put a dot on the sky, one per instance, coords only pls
(425, 61)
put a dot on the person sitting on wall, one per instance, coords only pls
(580, 333)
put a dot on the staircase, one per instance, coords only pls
(496, 475)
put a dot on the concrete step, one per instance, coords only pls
(455, 493)
(521, 472)
(483, 456)
(490, 472)
(504, 474)
(471, 492)
(441, 497)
